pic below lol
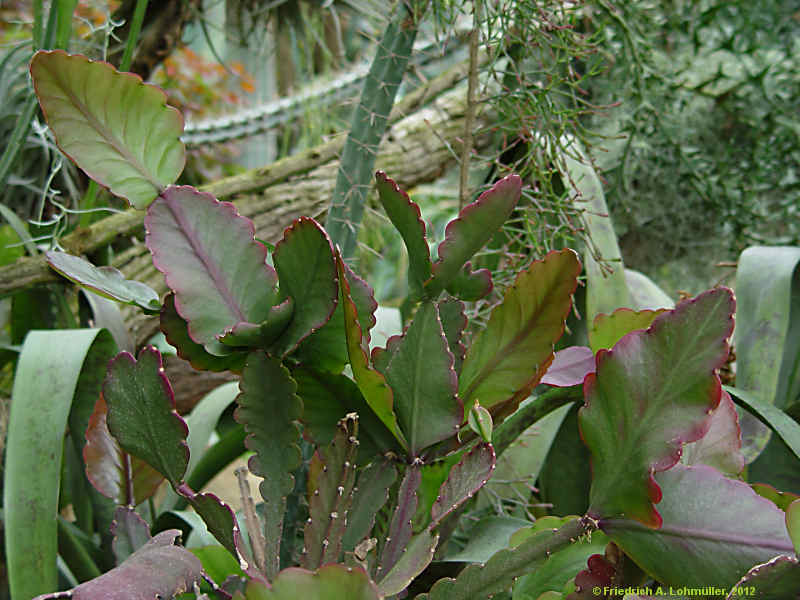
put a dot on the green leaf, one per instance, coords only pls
(475, 225)
(307, 273)
(119, 130)
(606, 330)
(142, 416)
(44, 385)
(264, 334)
(105, 281)
(269, 409)
(331, 582)
(713, 530)
(512, 353)
(793, 524)
(454, 323)
(218, 563)
(776, 579)
(645, 293)
(781, 499)
(489, 535)
(721, 446)
(774, 418)
(651, 393)
(471, 285)
(331, 477)
(369, 496)
(480, 421)
(400, 528)
(465, 479)
(407, 219)
(210, 259)
(416, 556)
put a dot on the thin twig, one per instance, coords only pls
(469, 115)
(257, 542)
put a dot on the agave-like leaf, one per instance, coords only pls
(475, 225)
(606, 330)
(211, 260)
(512, 353)
(105, 281)
(130, 532)
(119, 130)
(721, 446)
(465, 479)
(331, 582)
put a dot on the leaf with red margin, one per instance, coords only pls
(141, 413)
(465, 479)
(721, 446)
(713, 530)
(471, 285)
(510, 355)
(119, 130)
(454, 323)
(776, 579)
(211, 260)
(475, 225)
(307, 274)
(608, 329)
(400, 528)
(331, 582)
(106, 464)
(407, 219)
(569, 367)
(651, 394)
(130, 532)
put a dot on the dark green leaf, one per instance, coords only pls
(471, 285)
(369, 496)
(416, 556)
(400, 527)
(776, 579)
(465, 479)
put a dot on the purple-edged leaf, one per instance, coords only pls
(119, 130)
(261, 335)
(211, 260)
(475, 225)
(465, 479)
(653, 392)
(110, 470)
(369, 496)
(424, 382)
(331, 582)
(508, 357)
(714, 529)
(400, 528)
(159, 569)
(141, 413)
(454, 323)
(331, 477)
(130, 532)
(721, 446)
(471, 285)
(416, 556)
(793, 524)
(407, 219)
(105, 281)
(776, 579)
(569, 367)
(307, 272)
(781, 499)
(176, 331)
(269, 409)
(372, 384)
(608, 329)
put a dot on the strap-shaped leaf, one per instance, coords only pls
(369, 496)
(400, 528)
(307, 273)
(269, 409)
(211, 260)
(511, 353)
(714, 529)
(465, 479)
(424, 383)
(651, 393)
(119, 130)
(106, 281)
(606, 330)
(407, 219)
(416, 556)
(475, 225)
(331, 582)
(141, 413)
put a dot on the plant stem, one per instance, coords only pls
(133, 34)
(469, 116)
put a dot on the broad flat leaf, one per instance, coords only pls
(424, 383)
(405, 216)
(211, 260)
(269, 409)
(400, 528)
(331, 582)
(714, 529)
(130, 532)
(331, 477)
(454, 323)
(489, 535)
(105, 281)
(776, 579)
(416, 556)
(645, 293)
(434, 474)
(793, 523)
(475, 225)
(369, 496)
(465, 479)
(264, 334)
(787, 428)
(218, 564)
(159, 569)
(651, 393)
(142, 416)
(119, 130)
(721, 446)
(108, 468)
(307, 273)
(509, 356)
(606, 330)
(176, 331)
(781, 499)
(471, 285)
(569, 367)
(372, 384)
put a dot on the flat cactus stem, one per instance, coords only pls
(400, 528)
(368, 126)
(331, 478)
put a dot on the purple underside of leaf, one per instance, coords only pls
(130, 532)
(211, 260)
(653, 392)
(721, 446)
(465, 479)
(569, 367)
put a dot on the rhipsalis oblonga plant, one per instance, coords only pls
(397, 439)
